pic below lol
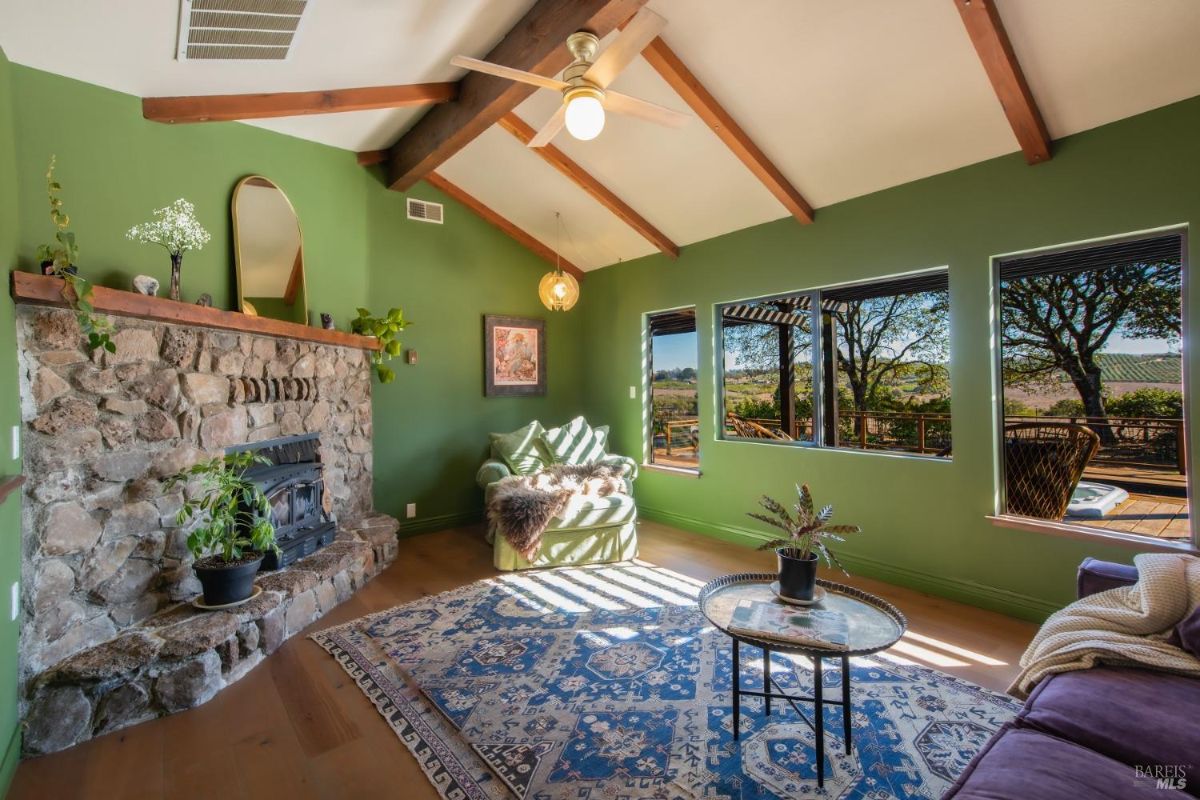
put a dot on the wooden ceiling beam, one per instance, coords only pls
(495, 219)
(691, 91)
(987, 33)
(556, 158)
(229, 107)
(537, 43)
(368, 158)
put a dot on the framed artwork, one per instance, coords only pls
(514, 356)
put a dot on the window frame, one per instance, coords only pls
(647, 460)
(819, 367)
(1080, 529)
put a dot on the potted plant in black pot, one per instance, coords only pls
(805, 543)
(234, 530)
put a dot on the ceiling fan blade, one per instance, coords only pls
(508, 72)
(548, 131)
(640, 31)
(632, 107)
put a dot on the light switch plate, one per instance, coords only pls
(410, 510)
(633, 393)
(16, 442)
(15, 601)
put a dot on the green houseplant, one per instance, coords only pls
(384, 329)
(234, 530)
(805, 543)
(60, 260)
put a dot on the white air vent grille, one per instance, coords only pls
(238, 30)
(424, 211)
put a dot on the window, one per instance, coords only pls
(1092, 375)
(863, 366)
(672, 358)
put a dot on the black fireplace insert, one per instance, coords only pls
(292, 481)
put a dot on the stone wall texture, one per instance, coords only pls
(101, 548)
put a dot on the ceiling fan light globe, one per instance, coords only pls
(585, 117)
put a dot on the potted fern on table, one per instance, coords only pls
(234, 531)
(805, 544)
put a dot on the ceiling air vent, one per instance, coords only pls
(424, 211)
(238, 30)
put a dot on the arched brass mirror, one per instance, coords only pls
(269, 249)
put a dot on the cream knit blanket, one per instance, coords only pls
(1126, 625)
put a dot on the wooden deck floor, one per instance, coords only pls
(297, 727)
(683, 459)
(1149, 515)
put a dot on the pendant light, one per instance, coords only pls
(558, 290)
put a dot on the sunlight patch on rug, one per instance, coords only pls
(606, 681)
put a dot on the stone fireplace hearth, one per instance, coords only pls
(105, 641)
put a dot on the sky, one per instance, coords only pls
(676, 351)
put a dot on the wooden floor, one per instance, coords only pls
(297, 727)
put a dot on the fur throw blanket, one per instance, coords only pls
(521, 506)
(1128, 625)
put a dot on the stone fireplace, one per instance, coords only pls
(108, 635)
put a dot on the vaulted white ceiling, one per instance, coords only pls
(845, 98)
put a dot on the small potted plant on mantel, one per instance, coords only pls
(234, 531)
(805, 544)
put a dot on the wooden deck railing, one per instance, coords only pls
(1139, 441)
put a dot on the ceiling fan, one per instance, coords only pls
(585, 82)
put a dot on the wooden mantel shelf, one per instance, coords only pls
(28, 287)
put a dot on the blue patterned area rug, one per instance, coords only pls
(607, 683)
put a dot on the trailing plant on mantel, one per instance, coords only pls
(384, 329)
(62, 259)
(807, 531)
(233, 513)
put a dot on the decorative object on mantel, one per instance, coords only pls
(28, 287)
(235, 530)
(60, 262)
(268, 247)
(514, 356)
(204, 300)
(384, 329)
(327, 322)
(144, 284)
(558, 290)
(799, 551)
(176, 229)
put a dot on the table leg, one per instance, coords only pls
(819, 719)
(846, 700)
(737, 690)
(767, 677)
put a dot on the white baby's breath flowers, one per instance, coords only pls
(174, 227)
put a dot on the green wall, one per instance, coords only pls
(924, 519)
(431, 424)
(10, 511)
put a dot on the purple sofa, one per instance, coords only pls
(1110, 732)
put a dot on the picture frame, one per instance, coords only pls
(514, 356)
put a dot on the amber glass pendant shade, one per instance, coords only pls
(558, 290)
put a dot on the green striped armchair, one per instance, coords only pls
(590, 530)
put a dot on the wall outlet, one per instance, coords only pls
(633, 393)
(16, 443)
(15, 601)
(410, 510)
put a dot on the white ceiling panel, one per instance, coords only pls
(501, 173)
(846, 98)
(1090, 62)
(684, 181)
